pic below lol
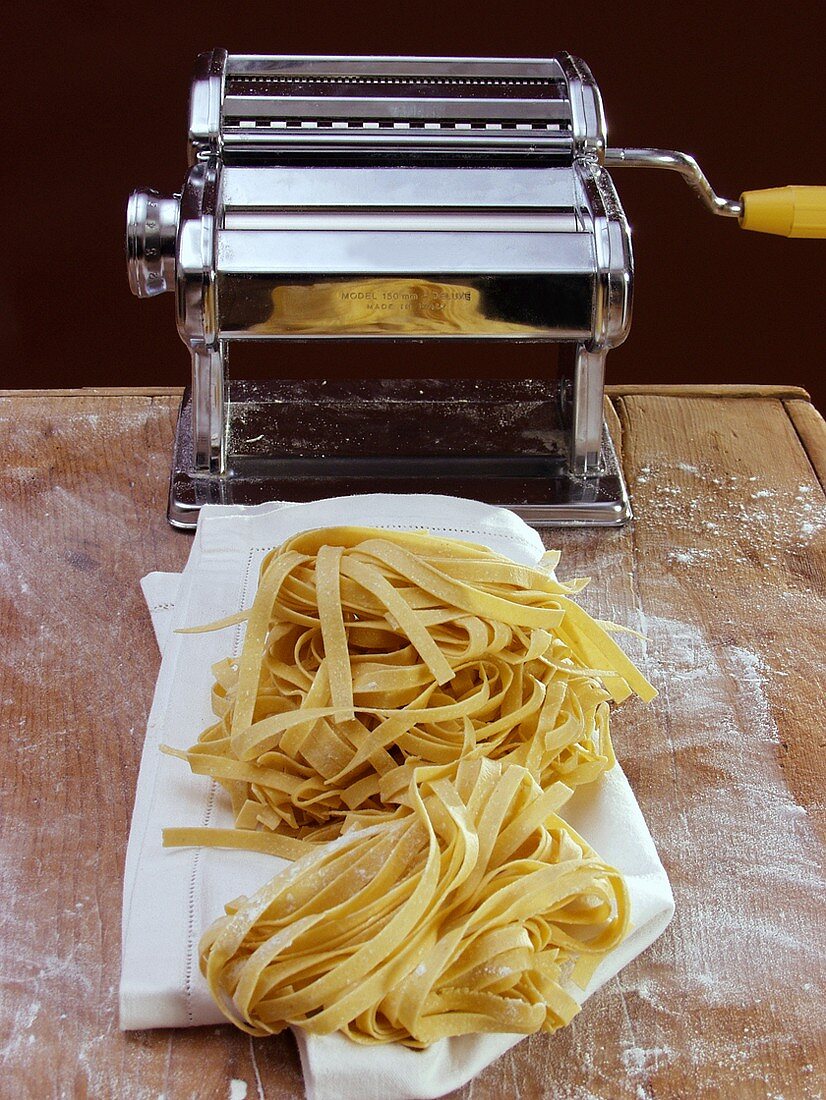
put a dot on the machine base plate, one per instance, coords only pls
(502, 442)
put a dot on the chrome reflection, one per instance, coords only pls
(395, 306)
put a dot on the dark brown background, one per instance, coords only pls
(96, 105)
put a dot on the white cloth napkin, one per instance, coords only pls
(171, 895)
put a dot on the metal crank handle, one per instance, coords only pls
(786, 211)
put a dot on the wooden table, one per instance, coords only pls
(723, 569)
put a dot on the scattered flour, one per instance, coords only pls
(767, 522)
(743, 846)
(734, 981)
(638, 1060)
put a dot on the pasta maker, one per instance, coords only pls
(433, 200)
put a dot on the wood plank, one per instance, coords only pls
(82, 518)
(689, 465)
(731, 575)
(725, 390)
(811, 430)
(614, 424)
(118, 392)
(613, 392)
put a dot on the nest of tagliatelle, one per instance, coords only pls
(369, 654)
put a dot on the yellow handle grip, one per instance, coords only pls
(789, 211)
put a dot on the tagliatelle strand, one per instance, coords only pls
(248, 840)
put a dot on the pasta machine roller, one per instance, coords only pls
(384, 199)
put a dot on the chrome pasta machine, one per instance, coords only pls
(435, 200)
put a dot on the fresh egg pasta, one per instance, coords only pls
(468, 913)
(370, 653)
(406, 718)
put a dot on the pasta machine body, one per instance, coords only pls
(394, 199)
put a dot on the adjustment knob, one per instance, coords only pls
(151, 230)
